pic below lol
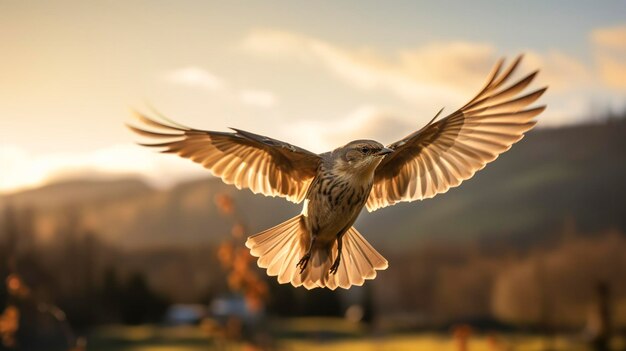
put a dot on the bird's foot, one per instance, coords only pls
(304, 261)
(335, 266)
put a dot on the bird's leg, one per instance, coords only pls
(335, 266)
(304, 261)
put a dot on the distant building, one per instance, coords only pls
(184, 314)
(225, 307)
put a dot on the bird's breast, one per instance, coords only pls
(333, 204)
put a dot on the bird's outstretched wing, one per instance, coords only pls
(264, 165)
(444, 153)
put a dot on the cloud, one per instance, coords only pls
(440, 73)
(193, 76)
(558, 70)
(363, 69)
(610, 37)
(613, 70)
(260, 98)
(610, 54)
(197, 77)
(465, 65)
(457, 65)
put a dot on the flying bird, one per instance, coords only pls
(320, 247)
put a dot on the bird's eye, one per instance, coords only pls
(365, 149)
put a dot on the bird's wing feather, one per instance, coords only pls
(444, 153)
(264, 165)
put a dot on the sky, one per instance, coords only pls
(316, 75)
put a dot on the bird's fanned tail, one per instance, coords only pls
(359, 261)
(280, 248)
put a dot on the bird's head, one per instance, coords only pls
(360, 157)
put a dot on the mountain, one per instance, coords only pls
(72, 192)
(573, 174)
(128, 213)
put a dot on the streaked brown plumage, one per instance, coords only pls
(319, 247)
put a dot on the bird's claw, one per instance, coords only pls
(335, 266)
(304, 261)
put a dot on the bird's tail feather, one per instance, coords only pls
(359, 261)
(280, 248)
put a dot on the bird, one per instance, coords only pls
(320, 248)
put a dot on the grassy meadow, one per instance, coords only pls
(332, 334)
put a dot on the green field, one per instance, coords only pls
(314, 334)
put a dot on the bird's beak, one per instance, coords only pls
(384, 151)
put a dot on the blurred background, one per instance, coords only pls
(105, 245)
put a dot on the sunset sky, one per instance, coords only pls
(317, 75)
